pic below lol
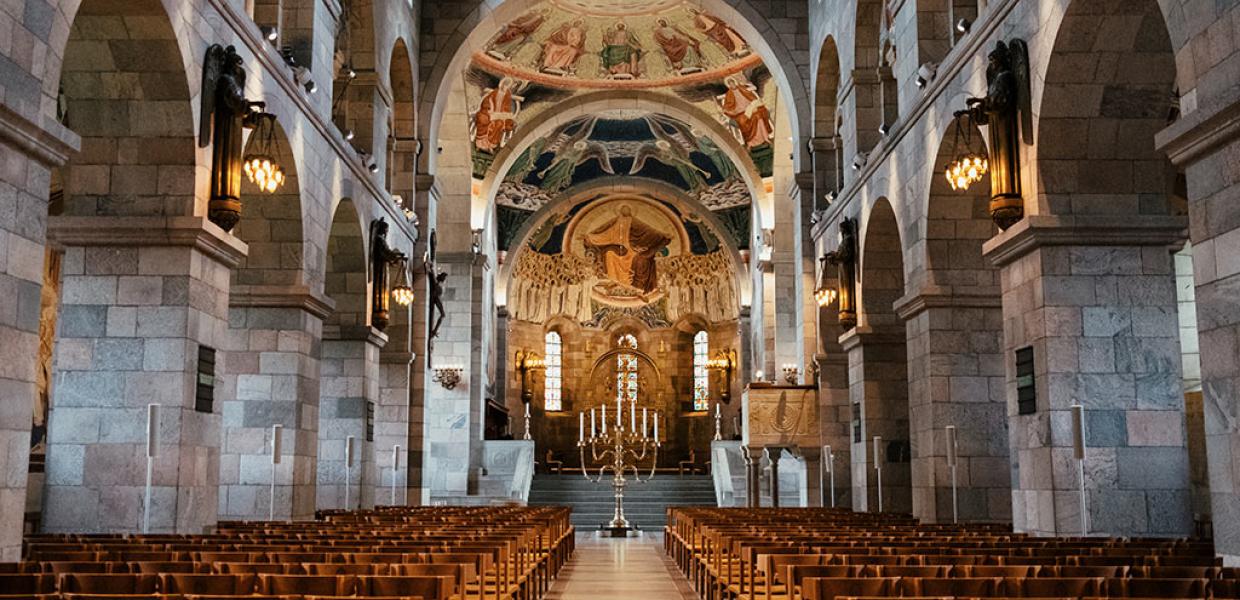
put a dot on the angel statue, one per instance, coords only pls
(381, 255)
(572, 151)
(672, 149)
(225, 115)
(844, 257)
(1005, 105)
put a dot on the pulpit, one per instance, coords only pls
(778, 419)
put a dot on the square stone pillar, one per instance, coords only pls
(348, 407)
(835, 426)
(272, 377)
(30, 146)
(141, 296)
(956, 377)
(449, 412)
(878, 391)
(1095, 300)
(1206, 147)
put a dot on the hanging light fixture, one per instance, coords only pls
(402, 292)
(823, 293)
(259, 164)
(969, 165)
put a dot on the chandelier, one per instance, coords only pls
(824, 294)
(402, 292)
(260, 166)
(969, 165)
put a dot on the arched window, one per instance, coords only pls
(701, 376)
(553, 381)
(626, 369)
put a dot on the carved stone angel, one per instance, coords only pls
(225, 114)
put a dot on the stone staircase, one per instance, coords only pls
(645, 504)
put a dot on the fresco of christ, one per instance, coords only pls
(624, 250)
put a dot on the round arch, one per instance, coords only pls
(598, 102)
(882, 266)
(347, 274)
(584, 193)
(272, 226)
(481, 24)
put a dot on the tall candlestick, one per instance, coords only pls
(644, 429)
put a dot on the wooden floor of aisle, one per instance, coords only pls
(620, 569)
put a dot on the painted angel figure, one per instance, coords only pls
(672, 149)
(719, 32)
(571, 151)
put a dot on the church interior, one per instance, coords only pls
(526, 299)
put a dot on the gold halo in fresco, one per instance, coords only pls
(609, 44)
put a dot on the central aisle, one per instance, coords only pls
(620, 569)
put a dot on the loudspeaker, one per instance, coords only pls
(395, 458)
(348, 451)
(951, 446)
(878, 455)
(152, 430)
(276, 444)
(1078, 431)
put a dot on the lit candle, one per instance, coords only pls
(656, 427)
(604, 419)
(620, 412)
(593, 425)
(581, 427)
(716, 410)
(633, 416)
(644, 430)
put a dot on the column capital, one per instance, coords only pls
(866, 334)
(366, 333)
(941, 296)
(48, 142)
(281, 296)
(198, 232)
(1036, 231)
(1197, 133)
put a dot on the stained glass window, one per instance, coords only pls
(626, 369)
(701, 376)
(553, 382)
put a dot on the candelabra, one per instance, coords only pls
(620, 450)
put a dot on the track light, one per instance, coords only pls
(859, 161)
(348, 135)
(963, 25)
(883, 129)
(303, 77)
(311, 87)
(271, 34)
(926, 73)
(286, 53)
(373, 166)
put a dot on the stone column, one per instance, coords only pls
(878, 391)
(417, 471)
(449, 412)
(349, 384)
(788, 297)
(834, 413)
(141, 296)
(1206, 149)
(753, 476)
(272, 377)
(1095, 300)
(956, 377)
(815, 479)
(392, 412)
(30, 149)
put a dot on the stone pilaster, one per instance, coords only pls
(140, 297)
(1205, 143)
(835, 425)
(392, 412)
(272, 377)
(956, 377)
(448, 412)
(348, 407)
(29, 150)
(1095, 300)
(878, 390)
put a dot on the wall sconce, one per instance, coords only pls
(963, 25)
(791, 373)
(859, 161)
(926, 73)
(448, 377)
(724, 361)
(1007, 112)
(271, 34)
(526, 361)
(475, 244)
(302, 76)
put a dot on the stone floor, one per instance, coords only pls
(620, 569)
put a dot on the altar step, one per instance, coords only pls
(645, 504)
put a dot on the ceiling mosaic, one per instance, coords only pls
(623, 143)
(623, 254)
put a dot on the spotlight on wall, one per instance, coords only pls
(286, 52)
(302, 76)
(883, 129)
(963, 25)
(348, 135)
(926, 73)
(311, 87)
(271, 34)
(859, 161)
(372, 166)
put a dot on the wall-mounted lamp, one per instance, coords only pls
(759, 375)
(259, 163)
(859, 161)
(348, 135)
(271, 34)
(791, 373)
(475, 244)
(448, 376)
(402, 292)
(527, 361)
(963, 25)
(724, 361)
(303, 78)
